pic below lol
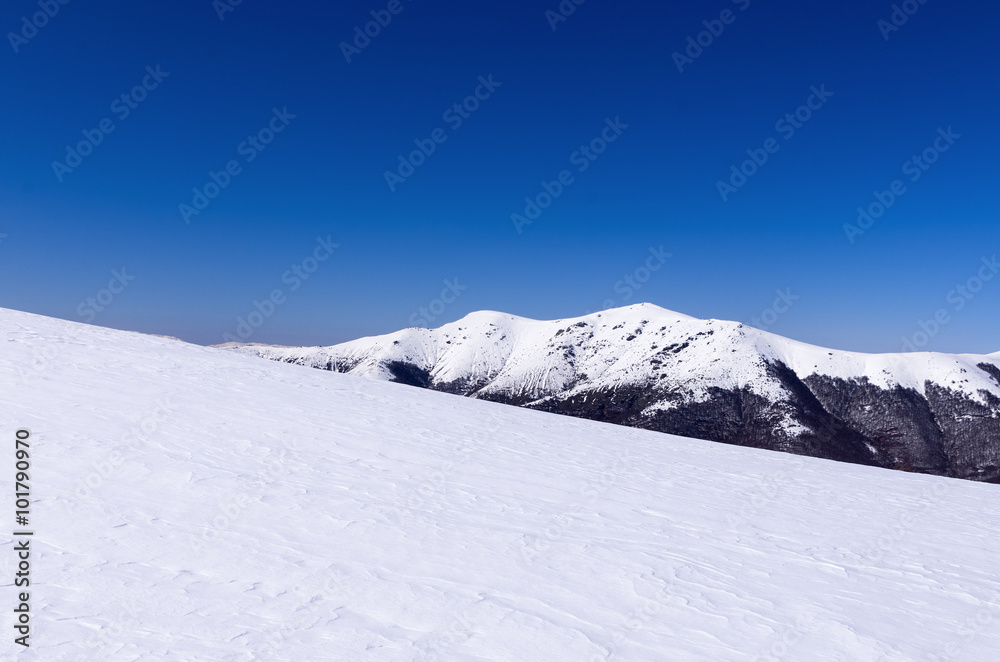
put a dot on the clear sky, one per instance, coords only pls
(606, 115)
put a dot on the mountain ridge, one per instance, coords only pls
(648, 367)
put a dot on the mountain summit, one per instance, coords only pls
(647, 367)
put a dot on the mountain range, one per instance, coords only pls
(647, 367)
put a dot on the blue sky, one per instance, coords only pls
(268, 92)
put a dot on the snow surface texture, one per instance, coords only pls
(195, 504)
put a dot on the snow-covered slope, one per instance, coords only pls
(195, 504)
(653, 368)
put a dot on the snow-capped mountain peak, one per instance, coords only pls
(646, 366)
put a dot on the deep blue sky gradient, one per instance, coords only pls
(655, 185)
